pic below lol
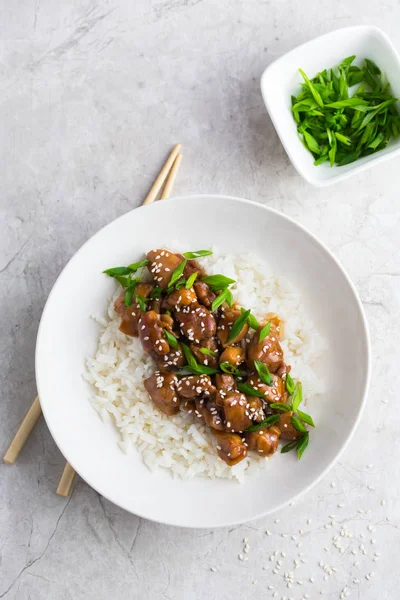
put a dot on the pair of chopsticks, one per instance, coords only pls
(167, 175)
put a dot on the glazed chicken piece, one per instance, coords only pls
(231, 448)
(206, 359)
(151, 332)
(179, 298)
(268, 351)
(272, 393)
(235, 411)
(174, 359)
(288, 431)
(204, 294)
(234, 355)
(255, 408)
(196, 323)
(130, 315)
(225, 382)
(193, 386)
(225, 322)
(162, 388)
(162, 264)
(211, 414)
(264, 441)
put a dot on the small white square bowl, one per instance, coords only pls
(281, 79)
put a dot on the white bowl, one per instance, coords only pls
(67, 335)
(281, 79)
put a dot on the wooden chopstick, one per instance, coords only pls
(65, 483)
(23, 432)
(157, 185)
(170, 170)
(171, 177)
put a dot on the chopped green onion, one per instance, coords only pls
(138, 265)
(193, 365)
(208, 352)
(302, 445)
(263, 372)
(197, 254)
(129, 295)
(306, 418)
(190, 281)
(156, 292)
(281, 406)
(171, 339)
(290, 446)
(224, 296)
(141, 302)
(176, 274)
(237, 326)
(217, 282)
(331, 125)
(116, 271)
(191, 361)
(226, 367)
(289, 384)
(251, 320)
(297, 397)
(264, 332)
(297, 424)
(247, 389)
(266, 423)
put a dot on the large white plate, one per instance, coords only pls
(67, 335)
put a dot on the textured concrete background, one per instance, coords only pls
(93, 95)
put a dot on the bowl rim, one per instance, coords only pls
(356, 168)
(367, 358)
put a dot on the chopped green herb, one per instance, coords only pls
(156, 292)
(264, 332)
(289, 384)
(197, 254)
(251, 320)
(190, 281)
(141, 302)
(297, 396)
(171, 339)
(208, 352)
(263, 372)
(266, 423)
(247, 389)
(116, 271)
(306, 418)
(177, 273)
(297, 424)
(226, 367)
(138, 265)
(290, 446)
(281, 406)
(337, 128)
(181, 283)
(190, 359)
(237, 326)
(218, 282)
(302, 445)
(193, 365)
(124, 281)
(129, 295)
(224, 296)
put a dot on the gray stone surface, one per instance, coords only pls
(93, 95)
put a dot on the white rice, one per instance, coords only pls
(178, 443)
